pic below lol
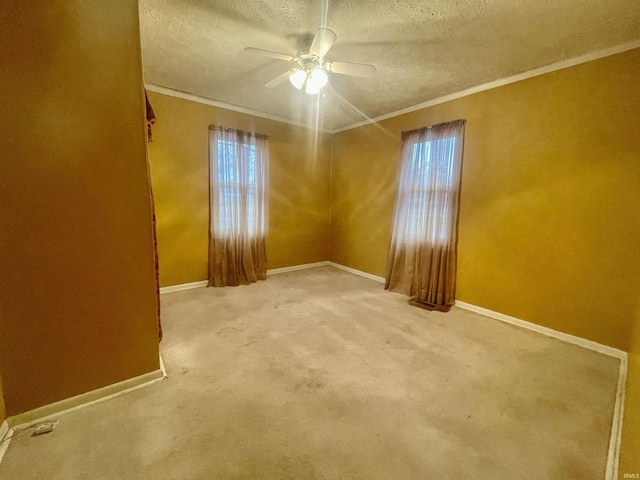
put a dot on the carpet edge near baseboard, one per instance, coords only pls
(29, 418)
(613, 455)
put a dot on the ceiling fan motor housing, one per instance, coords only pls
(309, 62)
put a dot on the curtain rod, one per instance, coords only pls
(437, 125)
(239, 132)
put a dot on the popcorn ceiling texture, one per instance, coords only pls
(422, 49)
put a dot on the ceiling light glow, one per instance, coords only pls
(297, 78)
(312, 88)
(319, 77)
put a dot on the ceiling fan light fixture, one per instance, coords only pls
(319, 77)
(311, 72)
(297, 78)
(312, 88)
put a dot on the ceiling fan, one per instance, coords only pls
(311, 69)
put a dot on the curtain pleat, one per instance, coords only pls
(423, 253)
(239, 223)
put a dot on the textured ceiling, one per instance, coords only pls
(423, 49)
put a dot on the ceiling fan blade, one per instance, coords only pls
(269, 53)
(355, 69)
(322, 42)
(280, 79)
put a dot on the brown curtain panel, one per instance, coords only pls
(239, 220)
(422, 257)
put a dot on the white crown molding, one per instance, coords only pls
(429, 103)
(151, 87)
(571, 62)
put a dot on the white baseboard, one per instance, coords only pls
(183, 286)
(583, 342)
(6, 434)
(293, 268)
(325, 264)
(275, 271)
(27, 419)
(162, 368)
(46, 412)
(613, 457)
(357, 272)
(4, 429)
(615, 439)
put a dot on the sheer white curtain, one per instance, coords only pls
(239, 166)
(423, 254)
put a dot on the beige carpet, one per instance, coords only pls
(320, 374)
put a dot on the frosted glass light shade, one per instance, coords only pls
(297, 78)
(319, 77)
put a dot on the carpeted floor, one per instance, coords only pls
(320, 374)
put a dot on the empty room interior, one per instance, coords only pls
(320, 239)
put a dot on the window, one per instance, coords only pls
(423, 251)
(431, 168)
(239, 169)
(239, 166)
(237, 184)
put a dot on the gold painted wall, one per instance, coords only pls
(549, 222)
(77, 290)
(630, 448)
(298, 187)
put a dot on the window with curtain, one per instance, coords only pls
(422, 258)
(239, 206)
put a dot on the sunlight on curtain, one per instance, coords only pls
(423, 255)
(239, 206)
